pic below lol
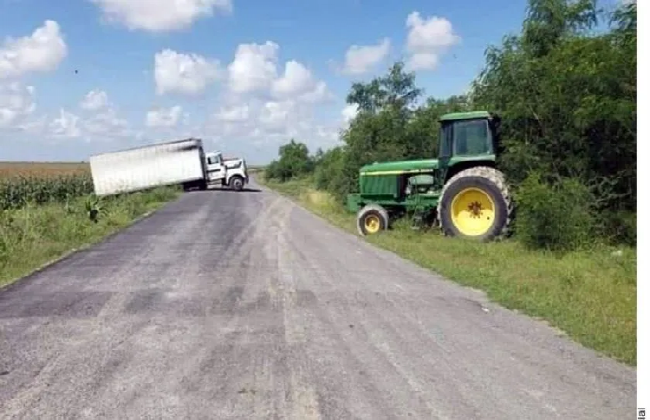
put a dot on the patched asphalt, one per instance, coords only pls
(226, 305)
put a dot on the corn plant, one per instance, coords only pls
(93, 207)
(18, 191)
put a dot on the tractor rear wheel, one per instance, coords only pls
(476, 203)
(372, 219)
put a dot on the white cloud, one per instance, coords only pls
(359, 59)
(320, 93)
(233, 113)
(298, 82)
(164, 117)
(267, 104)
(188, 74)
(423, 61)
(160, 15)
(100, 122)
(95, 100)
(349, 112)
(268, 123)
(16, 103)
(275, 115)
(253, 68)
(427, 40)
(105, 125)
(66, 125)
(41, 51)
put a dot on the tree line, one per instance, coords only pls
(566, 93)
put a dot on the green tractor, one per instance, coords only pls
(462, 191)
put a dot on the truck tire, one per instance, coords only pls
(372, 219)
(187, 186)
(476, 204)
(237, 183)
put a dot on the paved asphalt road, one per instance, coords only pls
(242, 305)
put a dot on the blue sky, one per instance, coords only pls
(238, 102)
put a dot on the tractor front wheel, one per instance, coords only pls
(372, 219)
(476, 204)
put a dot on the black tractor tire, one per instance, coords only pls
(237, 183)
(489, 181)
(372, 219)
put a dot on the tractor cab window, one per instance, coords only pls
(472, 138)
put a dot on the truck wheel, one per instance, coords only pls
(372, 219)
(476, 203)
(237, 183)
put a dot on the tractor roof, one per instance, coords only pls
(455, 116)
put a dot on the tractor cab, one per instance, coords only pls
(464, 135)
(466, 139)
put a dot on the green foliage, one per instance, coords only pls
(17, 192)
(554, 217)
(567, 98)
(294, 161)
(326, 164)
(394, 90)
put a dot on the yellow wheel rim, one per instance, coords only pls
(473, 212)
(372, 224)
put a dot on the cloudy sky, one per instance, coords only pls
(79, 77)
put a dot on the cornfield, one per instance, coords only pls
(23, 183)
(18, 191)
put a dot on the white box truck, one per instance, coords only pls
(181, 162)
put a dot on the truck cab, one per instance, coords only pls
(229, 172)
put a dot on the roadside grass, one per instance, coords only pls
(37, 234)
(589, 295)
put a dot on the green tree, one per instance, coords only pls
(294, 161)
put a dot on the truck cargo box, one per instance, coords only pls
(175, 162)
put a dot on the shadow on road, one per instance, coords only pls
(225, 189)
(244, 190)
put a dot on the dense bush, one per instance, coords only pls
(567, 96)
(555, 217)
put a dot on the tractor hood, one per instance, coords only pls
(398, 167)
